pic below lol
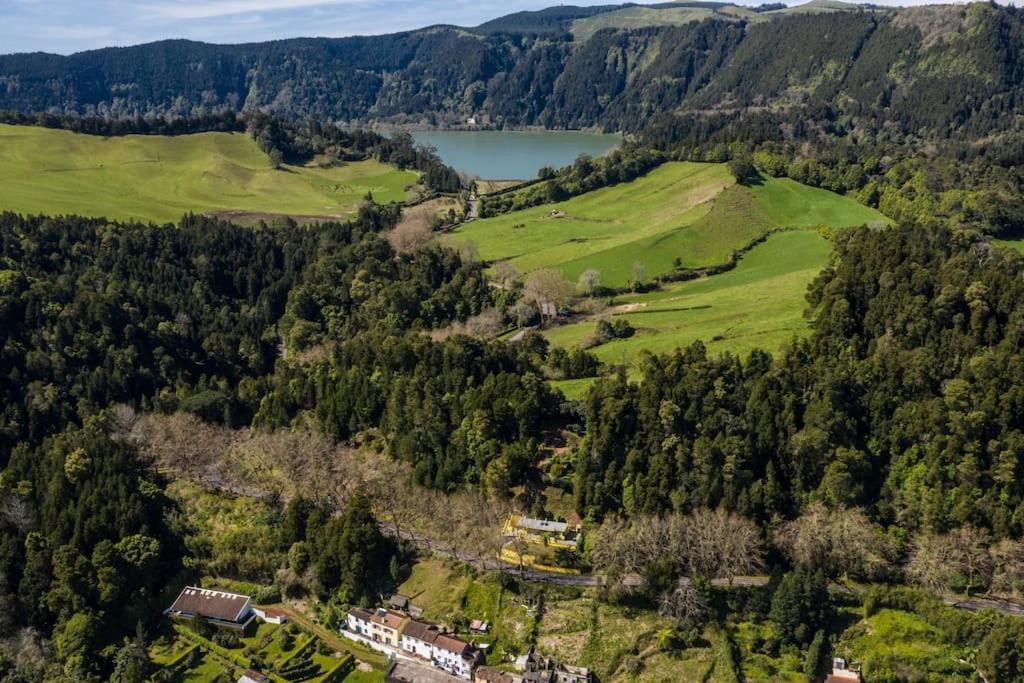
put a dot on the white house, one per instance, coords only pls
(380, 625)
(455, 656)
(418, 639)
(271, 615)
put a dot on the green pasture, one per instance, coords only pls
(759, 304)
(688, 212)
(158, 178)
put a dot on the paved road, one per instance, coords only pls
(594, 580)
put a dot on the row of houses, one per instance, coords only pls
(414, 638)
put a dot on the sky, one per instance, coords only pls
(66, 26)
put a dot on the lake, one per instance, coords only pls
(513, 155)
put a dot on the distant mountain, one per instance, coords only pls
(944, 70)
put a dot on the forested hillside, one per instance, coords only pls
(940, 71)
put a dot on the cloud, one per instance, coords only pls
(211, 10)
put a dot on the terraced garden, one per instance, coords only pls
(282, 652)
(158, 178)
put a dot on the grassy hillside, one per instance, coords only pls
(664, 15)
(687, 211)
(678, 13)
(160, 178)
(759, 304)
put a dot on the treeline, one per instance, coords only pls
(221, 122)
(96, 313)
(285, 140)
(966, 185)
(584, 175)
(905, 400)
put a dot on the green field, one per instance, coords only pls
(687, 211)
(1015, 244)
(759, 304)
(160, 178)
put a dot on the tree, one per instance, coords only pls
(507, 275)
(720, 544)
(75, 641)
(638, 272)
(743, 170)
(685, 603)
(1001, 654)
(131, 663)
(1008, 567)
(589, 281)
(546, 285)
(800, 605)
(414, 231)
(816, 659)
(959, 559)
(839, 541)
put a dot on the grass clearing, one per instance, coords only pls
(685, 212)
(160, 178)
(449, 596)
(1015, 244)
(892, 641)
(758, 304)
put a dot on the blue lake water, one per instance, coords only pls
(513, 155)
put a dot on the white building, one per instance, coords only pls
(455, 656)
(418, 639)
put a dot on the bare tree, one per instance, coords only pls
(971, 544)
(506, 275)
(1008, 567)
(943, 561)
(684, 603)
(722, 544)
(183, 443)
(932, 563)
(485, 325)
(122, 422)
(840, 542)
(708, 543)
(15, 510)
(546, 285)
(589, 281)
(415, 230)
(638, 271)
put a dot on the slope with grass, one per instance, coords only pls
(759, 304)
(690, 213)
(673, 14)
(160, 178)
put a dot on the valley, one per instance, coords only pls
(589, 344)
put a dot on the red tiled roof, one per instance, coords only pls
(389, 619)
(452, 644)
(422, 631)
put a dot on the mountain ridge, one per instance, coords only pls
(868, 66)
